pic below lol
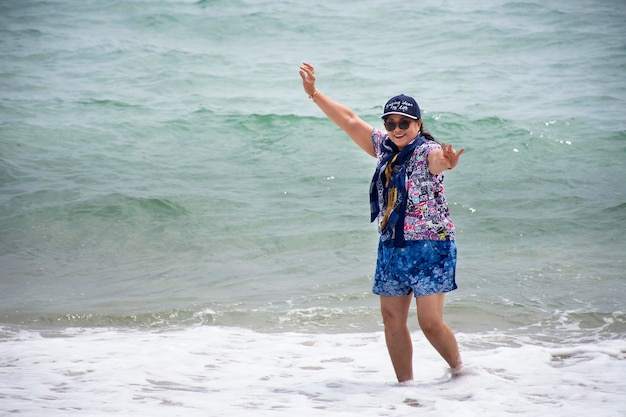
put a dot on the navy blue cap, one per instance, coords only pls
(404, 105)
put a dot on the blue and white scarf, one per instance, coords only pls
(390, 184)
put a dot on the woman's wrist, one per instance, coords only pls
(313, 96)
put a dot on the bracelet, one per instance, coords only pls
(314, 96)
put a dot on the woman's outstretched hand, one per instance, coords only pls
(449, 157)
(307, 73)
(358, 130)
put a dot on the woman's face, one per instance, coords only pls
(402, 137)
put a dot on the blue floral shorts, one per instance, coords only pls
(424, 266)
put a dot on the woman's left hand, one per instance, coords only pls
(449, 156)
(444, 159)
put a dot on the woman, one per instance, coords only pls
(417, 250)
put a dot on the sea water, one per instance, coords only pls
(183, 232)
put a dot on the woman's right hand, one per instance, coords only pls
(307, 73)
(346, 119)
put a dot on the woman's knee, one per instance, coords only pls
(395, 310)
(431, 325)
(430, 313)
(393, 317)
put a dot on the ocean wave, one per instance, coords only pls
(357, 313)
(75, 207)
(126, 208)
(105, 103)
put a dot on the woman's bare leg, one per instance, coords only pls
(395, 312)
(430, 318)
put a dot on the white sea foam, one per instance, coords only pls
(218, 371)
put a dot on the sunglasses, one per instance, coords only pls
(402, 124)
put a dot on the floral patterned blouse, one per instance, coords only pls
(427, 214)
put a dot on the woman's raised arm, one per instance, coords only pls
(358, 130)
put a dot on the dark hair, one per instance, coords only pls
(426, 133)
